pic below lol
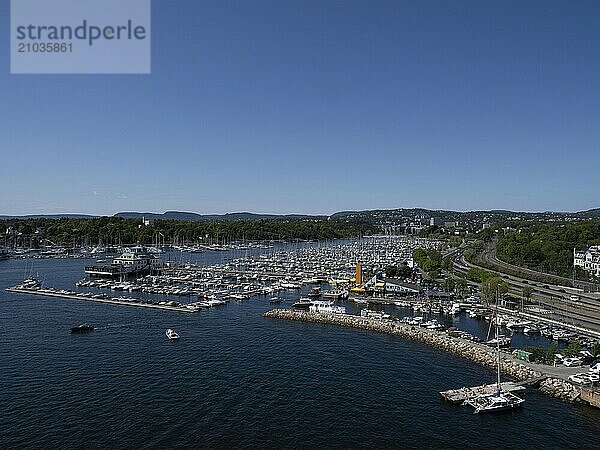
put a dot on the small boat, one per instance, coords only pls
(275, 300)
(502, 342)
(83, 328)
(315, 292)
(171, 334)
(303, 303)
(531, 330)
(335, 294)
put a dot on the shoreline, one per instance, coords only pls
(549, 383)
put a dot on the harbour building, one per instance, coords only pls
(133, 262)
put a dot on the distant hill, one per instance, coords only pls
(489, 216)
(375, 215)
(192, 217)
(590, 213)
(49, 216)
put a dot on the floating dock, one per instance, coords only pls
(591, 396)
(467, 393)
(114, 300)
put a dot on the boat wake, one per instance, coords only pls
(116, 325)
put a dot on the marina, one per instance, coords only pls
(327, 284)
(320, 270)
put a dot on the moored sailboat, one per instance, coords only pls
(499, 400)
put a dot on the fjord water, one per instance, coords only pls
(237, 379)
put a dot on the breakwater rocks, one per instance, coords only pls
(560, 389)
(477, 353)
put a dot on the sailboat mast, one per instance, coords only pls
(497, 338)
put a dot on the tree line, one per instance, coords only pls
(548, 246)
(118, 230)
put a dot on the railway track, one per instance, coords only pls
(585, 311)
(490, 257)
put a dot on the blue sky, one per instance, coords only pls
(318, 106)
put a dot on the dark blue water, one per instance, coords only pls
(237, 379)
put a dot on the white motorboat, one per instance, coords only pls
(335, 294)
(326, 307)
(171, 334)
(303, 303)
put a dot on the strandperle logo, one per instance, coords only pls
(85, 31)
(80, 36)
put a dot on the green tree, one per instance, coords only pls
(449, 285)
(455, 241)
(447, 264)
(391, 271)
(404, 271)
(461, 285)
(551, 352)
(527, 291)
(490, 286)
(573, 349)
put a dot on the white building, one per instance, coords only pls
(588, 260)
(435, 221)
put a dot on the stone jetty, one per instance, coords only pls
(477, 353)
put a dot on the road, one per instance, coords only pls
(584, 312)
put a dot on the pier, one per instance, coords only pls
(591, 396)
(112, 300)
(467, 393)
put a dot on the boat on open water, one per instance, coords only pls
(171, 334)
(83, 328)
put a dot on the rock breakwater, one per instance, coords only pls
(475, 352)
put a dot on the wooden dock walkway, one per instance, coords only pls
(591, 396)
(467, 393)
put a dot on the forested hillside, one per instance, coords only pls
(117, 230)
(547, 246)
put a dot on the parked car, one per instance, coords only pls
(593, 377)
(586, 357)
(595, 368)
(584, 378)
(572, 362)
(579, 378)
